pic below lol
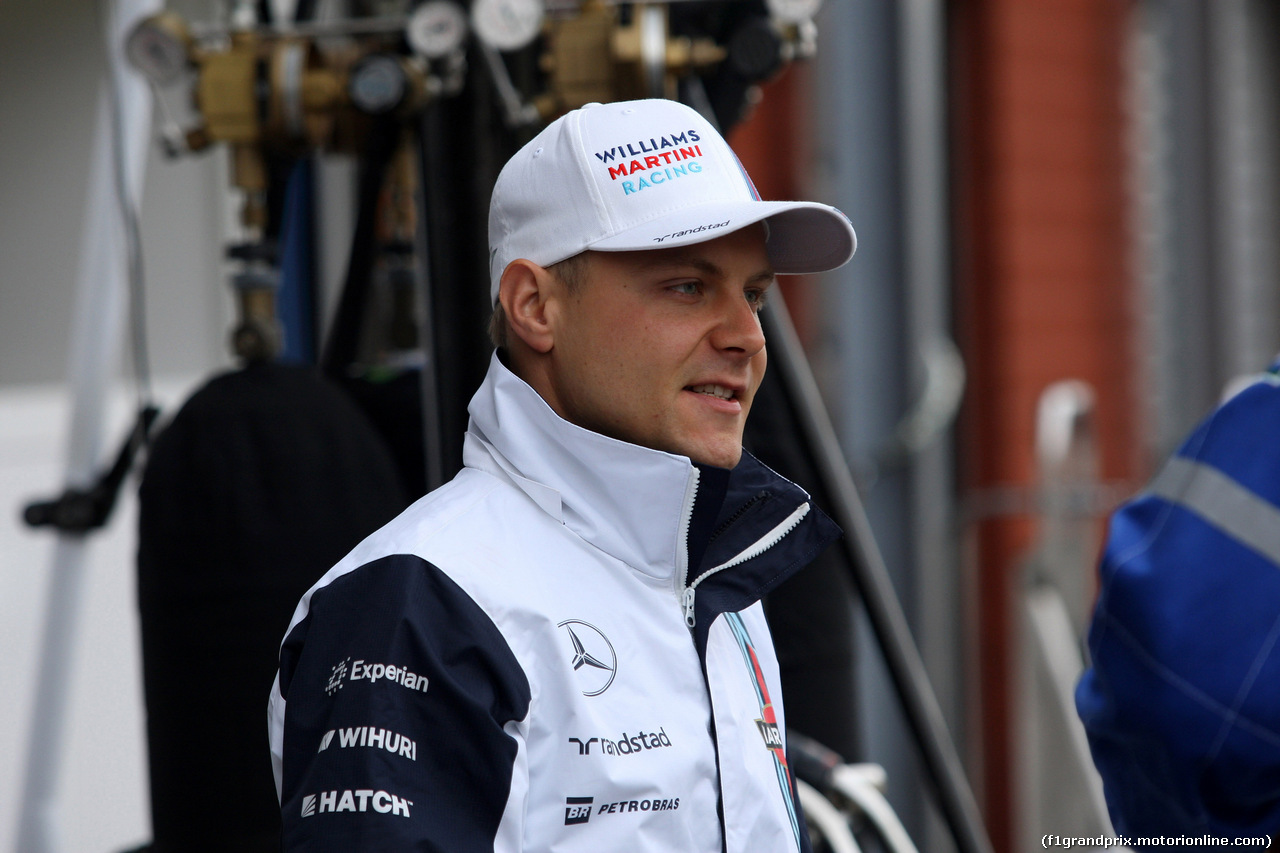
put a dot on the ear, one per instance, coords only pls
(526, 292)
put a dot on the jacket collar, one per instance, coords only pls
(628, 501)
(655, 511)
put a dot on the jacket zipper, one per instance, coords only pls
(682, 553)
(757, 548)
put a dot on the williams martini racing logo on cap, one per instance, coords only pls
(591, 655)
(648, 163)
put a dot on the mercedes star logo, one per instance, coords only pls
(592, 656)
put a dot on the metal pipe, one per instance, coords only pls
(876, 592)
(96, 336)
(921, 69)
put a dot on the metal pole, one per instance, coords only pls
(875, 589)
(95, 345)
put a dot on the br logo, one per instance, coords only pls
(577, 810)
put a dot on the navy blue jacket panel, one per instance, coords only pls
(397, 711)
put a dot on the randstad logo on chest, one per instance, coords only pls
(653, 161)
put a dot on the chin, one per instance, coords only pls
(726, 458)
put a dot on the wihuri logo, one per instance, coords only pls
(396, 744)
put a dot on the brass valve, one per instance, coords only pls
(593, 56)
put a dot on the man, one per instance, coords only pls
(1181, 702)
(563, 648)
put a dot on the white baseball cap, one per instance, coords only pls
(645, 175)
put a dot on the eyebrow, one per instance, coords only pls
(706, 267)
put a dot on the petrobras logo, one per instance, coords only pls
(361, 800)
(624, 745)
(652, 162)
(579, 810)
(632, 806)
(373, 738)
(345, 671)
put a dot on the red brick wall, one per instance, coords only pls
(1042, 284)
(771, 143)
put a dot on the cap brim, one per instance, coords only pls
(804, 236)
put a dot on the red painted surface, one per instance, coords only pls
(771, 143)
(1042, 282)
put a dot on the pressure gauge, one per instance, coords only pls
(437, 29)
(793, 11)
(507, 24)
(378, 84)
(157, 47)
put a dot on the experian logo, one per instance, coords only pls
(361, 671)
(354, 801)
(336, 675)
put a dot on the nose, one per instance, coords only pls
(738, 330)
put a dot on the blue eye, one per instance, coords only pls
(757, 298)
(689, 288)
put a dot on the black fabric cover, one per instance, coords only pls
(811, 616)
(263, 480)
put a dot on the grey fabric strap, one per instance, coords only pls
(1222, 502)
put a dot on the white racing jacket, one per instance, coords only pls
(561, 649)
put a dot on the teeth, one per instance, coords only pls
(714, 390)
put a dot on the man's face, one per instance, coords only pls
(663, 348)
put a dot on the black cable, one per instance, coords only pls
(343, 342)
(875, 589)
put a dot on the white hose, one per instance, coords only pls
(827, 819)
(859, 783)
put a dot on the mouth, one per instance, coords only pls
(722, 392)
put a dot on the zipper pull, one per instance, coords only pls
(688, 607)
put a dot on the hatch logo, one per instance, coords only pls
(591, 656)
(355, 801)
